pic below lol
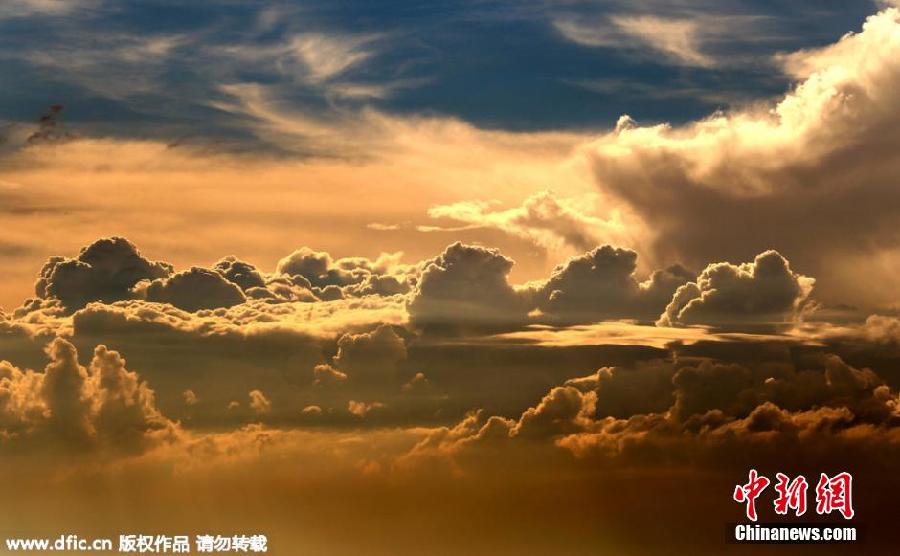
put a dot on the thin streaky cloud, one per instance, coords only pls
(682, 40)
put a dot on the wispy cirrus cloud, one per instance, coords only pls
(27, 8)
(326, 55)
(114, 66)
(684, 40)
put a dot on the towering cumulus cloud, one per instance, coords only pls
(68, 406)
(466, 286)
(600, 285)
(106, 270)
(814, 175)
(765, 291)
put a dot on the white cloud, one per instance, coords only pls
(555, 224)
(112, 66)
(23, 8)
(682, 40)
(813, 175)
(679, 39)
(326, 56)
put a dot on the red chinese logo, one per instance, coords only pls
(833, 494)
(749, 492)
(791, 494)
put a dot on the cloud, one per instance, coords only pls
(355, 276)
(600, 285)
(316, 267)
(328, 55)
(127, 417)
(312, 410)
(319, 320)
(779, 175)
(112, 269)
(429, 155)
(564, 410)
(113, 65)
(882, 329)
(326, 376)
(682, 40)
(715, 414)
(623, 392)
(282, 349)
(380, 227)
(259, 403)
(333, 344)
(106, 270)
(361, 409)
(190, 398)
(554, 224)
(195, 289)
(418, 383)
(27, 8)
(466, 286)
(327, 353)
(765, 291)
(678, 39)
(617, 333)
(463, 287)
(370, 356)
(102, 407)
(244, 274)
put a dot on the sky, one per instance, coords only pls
(446, 277)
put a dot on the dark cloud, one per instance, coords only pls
(560, 412)
(127, 417)
(63, 389)
(371, 356)
(315, 267)
(352, 276)
(375, 284)
(244, 274)
(217, 358)
(882, 329)
(466, 287)
(195, 289)
(199, 330)
(625, 391)
(600, 285)
(765, 291)
(287, 351)
(51, 128)
(284, 288)
(104, 406)
(106, 270)
(714, 413)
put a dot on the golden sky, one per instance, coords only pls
(350, 312)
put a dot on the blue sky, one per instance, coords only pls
(162, 69)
